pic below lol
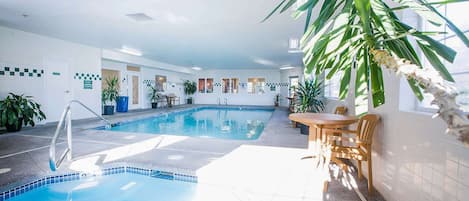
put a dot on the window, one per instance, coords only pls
(201, 85)
(230, 85)
(256, 85)
(332, 86)
(205, 85)
(209, 85)
(456, 12)
(160, 83)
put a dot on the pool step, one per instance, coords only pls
(162, 175)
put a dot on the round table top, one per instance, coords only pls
(322, 118)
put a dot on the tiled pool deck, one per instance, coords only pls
(269, 168)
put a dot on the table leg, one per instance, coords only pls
(312, 142)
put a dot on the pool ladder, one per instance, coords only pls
(67, 118)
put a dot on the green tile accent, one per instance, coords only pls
(7, 68)
(34, 70)
(12, 73)
(21, 74)
(2, 72)
(26, 70)
(38, 75)
(30, 74)
(17, 69)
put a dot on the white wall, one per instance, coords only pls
(32, 51)
(174, 80)
(413, 158)
(242, 97)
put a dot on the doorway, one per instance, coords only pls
(293, 83)
(58, 92)
(134, 87)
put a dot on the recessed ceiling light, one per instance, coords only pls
(196, 68)
(139, 17)
(130, 51)
(286, 67)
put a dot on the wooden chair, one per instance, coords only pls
(340, 110)
(361, 148)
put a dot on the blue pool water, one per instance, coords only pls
(118, 187)
(211, 122)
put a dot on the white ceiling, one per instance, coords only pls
(206, 33)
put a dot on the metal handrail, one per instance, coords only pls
(67, 115)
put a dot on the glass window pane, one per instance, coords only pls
(235, 83)
(209, 85)
(225, 85)
(256, 85)
(201, 85)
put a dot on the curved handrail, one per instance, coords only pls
(66, 114)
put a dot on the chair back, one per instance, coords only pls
(366, 127)
(340, 110)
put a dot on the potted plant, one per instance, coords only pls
(109, 95)
(189, 88)
(154, 96)
(16, 110)
(309, 99)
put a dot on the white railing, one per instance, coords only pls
(67, 118)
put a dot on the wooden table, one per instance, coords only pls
(317, 122)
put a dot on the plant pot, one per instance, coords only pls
(189, 101)
(13, 127)
(304, 129)
(154, 105)
(108, 110)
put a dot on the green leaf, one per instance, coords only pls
(422, 10)
(435, 61)
(344, 83)
(288, 5)
(451, 26)
(416, 89)
(377, 85)
(273, 11)
(363, 7)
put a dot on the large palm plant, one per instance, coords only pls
(309, 96)
(368, 34)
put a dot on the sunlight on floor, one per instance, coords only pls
(91, 162)
(263, 170)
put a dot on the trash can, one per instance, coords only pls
(122, 104)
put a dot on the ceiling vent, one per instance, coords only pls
(139, 17)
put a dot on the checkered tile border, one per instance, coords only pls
(87, 76)
(276, 84)
(149, 82)
(108, 171)
(21, 72)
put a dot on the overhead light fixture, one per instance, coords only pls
(139, 17)
(196, 68)
(130, 51)
(286, 67)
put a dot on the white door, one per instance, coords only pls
(57, 85)
(134, 90)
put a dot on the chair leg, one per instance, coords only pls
(360, 173)
(370, 176)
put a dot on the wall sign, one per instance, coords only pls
(87, 84)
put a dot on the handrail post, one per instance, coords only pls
(69, 134)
